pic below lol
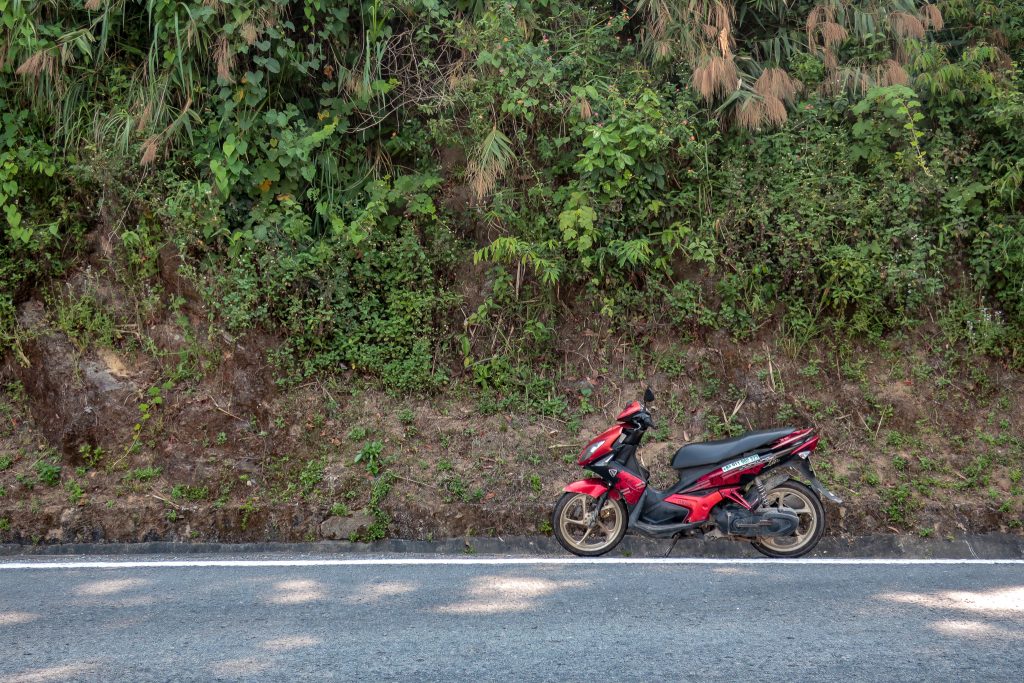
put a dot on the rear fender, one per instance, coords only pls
(797, 468)
(592, 487)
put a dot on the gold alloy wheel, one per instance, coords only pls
(577, 530)
(798, 502)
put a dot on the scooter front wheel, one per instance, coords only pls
(582, 532)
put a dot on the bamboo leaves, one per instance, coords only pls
(490, 162)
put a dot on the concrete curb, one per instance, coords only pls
(975, 546)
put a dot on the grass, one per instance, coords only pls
(535, 483)
(311, 475)
(142, 474)
(75, 492)
(901, 504)
(381, 519)
(248, 508)
(193, 493)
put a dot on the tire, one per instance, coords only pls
(808, 507)
(572, 533)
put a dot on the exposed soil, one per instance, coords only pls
(911, 440)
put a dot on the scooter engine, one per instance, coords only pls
(737, 521)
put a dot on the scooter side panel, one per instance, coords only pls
(591, 487)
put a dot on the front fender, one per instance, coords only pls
(592, 487)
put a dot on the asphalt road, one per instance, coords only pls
(531, 622)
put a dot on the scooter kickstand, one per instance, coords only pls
(675, 539)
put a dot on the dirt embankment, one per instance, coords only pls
(173, 430)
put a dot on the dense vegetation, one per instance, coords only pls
(434, 196)
(327, 169)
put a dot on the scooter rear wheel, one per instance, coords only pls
(573, 532)
(808, 508)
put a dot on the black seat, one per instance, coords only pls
(712, 452)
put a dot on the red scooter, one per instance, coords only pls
(745, 488)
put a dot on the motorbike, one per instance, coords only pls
(757, 487)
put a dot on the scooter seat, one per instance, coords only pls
(714, 452)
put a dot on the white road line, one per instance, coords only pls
(511, 561)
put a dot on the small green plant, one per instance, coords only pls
(6, 461)
(48, 472)
(925, 532)
(91, 455)
(786, 414)
(357, 433)
(812, 369)
(74, 490)
(406, 416)
(901, 504)
(340, 510)
(147, 409)
(172, 515)
(370, 454)
(222, 497)
(142, 474)
(221, 439)
(311, 475)
(545, 526)
(5, 524)
(248, 508)
(535, 483)
(185, 492)
(381, 519)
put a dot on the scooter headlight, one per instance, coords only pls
(589, 451)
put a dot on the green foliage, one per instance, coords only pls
(248, 509)
(143, 474)
(381, 519)
(84, 320)
(508, 387)
(48, 472)
(91, 455)
(370, 455)
(186, 492)
(365, 294)
(74, 490)
(311, 475)
(901, 504)
(325, 171)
